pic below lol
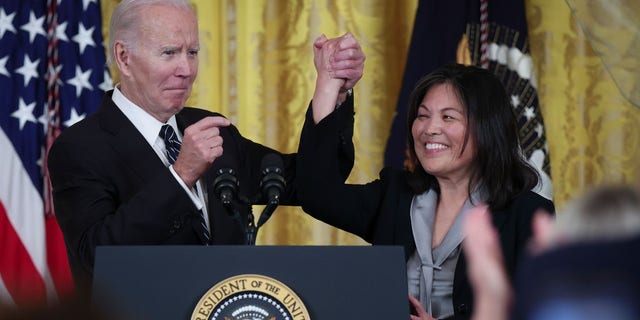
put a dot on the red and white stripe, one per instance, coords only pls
(484, 33)
(56, 251)
(33, 262)
(23, 266)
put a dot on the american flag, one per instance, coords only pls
(52, 74)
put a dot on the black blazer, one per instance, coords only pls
(110, 187)
(378, 212)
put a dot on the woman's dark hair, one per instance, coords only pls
(499, 165)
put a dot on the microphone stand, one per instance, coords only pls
(235, 214)
(266, 213)
(272, 185)
(252, 230)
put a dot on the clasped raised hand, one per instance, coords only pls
(339, 58)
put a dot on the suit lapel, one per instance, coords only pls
(131, 149)
(403, 227)
(127, 142)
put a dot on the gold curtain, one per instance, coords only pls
(271, 79)
(256, 68)
(593, 131)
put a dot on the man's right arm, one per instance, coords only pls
(101, 201)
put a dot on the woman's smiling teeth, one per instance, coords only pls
(435, 146)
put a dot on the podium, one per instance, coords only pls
(332, 282)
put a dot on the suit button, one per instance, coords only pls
(462, 309)
(177, 224)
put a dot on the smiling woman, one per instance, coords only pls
(441, 143)
(465, 154)
(475, 102)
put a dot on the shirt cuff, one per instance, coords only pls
(191, 192)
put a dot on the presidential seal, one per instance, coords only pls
(250, 297)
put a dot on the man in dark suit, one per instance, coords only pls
(140, 170)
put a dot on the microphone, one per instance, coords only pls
(272, 184)
(225, 184)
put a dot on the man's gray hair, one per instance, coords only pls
(125, 21)
(607, 212)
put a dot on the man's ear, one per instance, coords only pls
(121, 56)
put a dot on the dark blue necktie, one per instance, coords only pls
(172, 144)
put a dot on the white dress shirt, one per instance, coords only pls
(149, 127)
